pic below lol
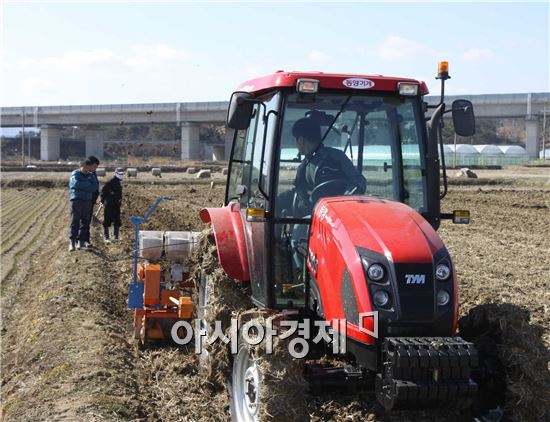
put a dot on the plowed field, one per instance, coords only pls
(67, 352)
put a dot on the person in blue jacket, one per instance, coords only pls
(95, 195)
(82, 186)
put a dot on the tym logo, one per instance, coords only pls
(415, 278)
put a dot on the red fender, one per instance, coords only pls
(230, 242)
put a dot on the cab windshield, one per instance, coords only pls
(381, 136)
(369, 145)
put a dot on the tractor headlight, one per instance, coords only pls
(443, 297)
(381, 298)
(376, 272)
(442, 272)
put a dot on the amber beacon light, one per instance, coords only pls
(443, 71)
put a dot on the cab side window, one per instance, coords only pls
(236, 173)
(271, 102)
(241, 161)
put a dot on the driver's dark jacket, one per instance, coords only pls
(322, 165)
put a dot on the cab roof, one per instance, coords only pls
(281, 79)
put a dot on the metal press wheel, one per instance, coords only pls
(217, 297)
(202, 313)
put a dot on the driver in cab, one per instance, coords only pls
(324, 171)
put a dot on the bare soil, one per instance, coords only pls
(67, 352)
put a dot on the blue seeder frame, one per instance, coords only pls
(135, 289)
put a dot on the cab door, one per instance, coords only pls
(249, 184)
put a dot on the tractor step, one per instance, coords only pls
(426, 372)
(322, 378)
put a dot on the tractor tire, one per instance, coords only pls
(479, 328)
(513, 376)
(315, 303)
(266, 386)
(218, 298)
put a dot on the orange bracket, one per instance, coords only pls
(151, 293)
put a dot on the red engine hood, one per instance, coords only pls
(390, 228)
(343, 224)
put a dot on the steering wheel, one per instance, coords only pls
(294, 203)
(334, 187)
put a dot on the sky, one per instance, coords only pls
(61, 53)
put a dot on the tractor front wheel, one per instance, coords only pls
(266, 384)
(245, 386)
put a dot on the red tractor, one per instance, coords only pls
(331, 211)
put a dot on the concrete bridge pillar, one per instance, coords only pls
(50, 143)
(95, 138)
(532, 137)
(190, 141)
(229, 133)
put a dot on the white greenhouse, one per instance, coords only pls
(514, 154)
(490, 154)
(466, 155)
(484, 155)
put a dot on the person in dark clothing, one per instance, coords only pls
(111, 198)
(81, 187)
(324, 171)
(95, 163)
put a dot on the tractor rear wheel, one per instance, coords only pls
(485, 332)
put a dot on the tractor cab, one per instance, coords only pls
(365, 137)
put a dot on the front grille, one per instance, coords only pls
(415, 287)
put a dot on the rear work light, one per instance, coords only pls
(307, 86)
(406, 88)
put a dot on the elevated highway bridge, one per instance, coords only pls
(190, 115)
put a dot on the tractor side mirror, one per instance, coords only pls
(239, 112)
(464, 120)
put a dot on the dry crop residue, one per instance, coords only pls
(62, 336)
(503, 263)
